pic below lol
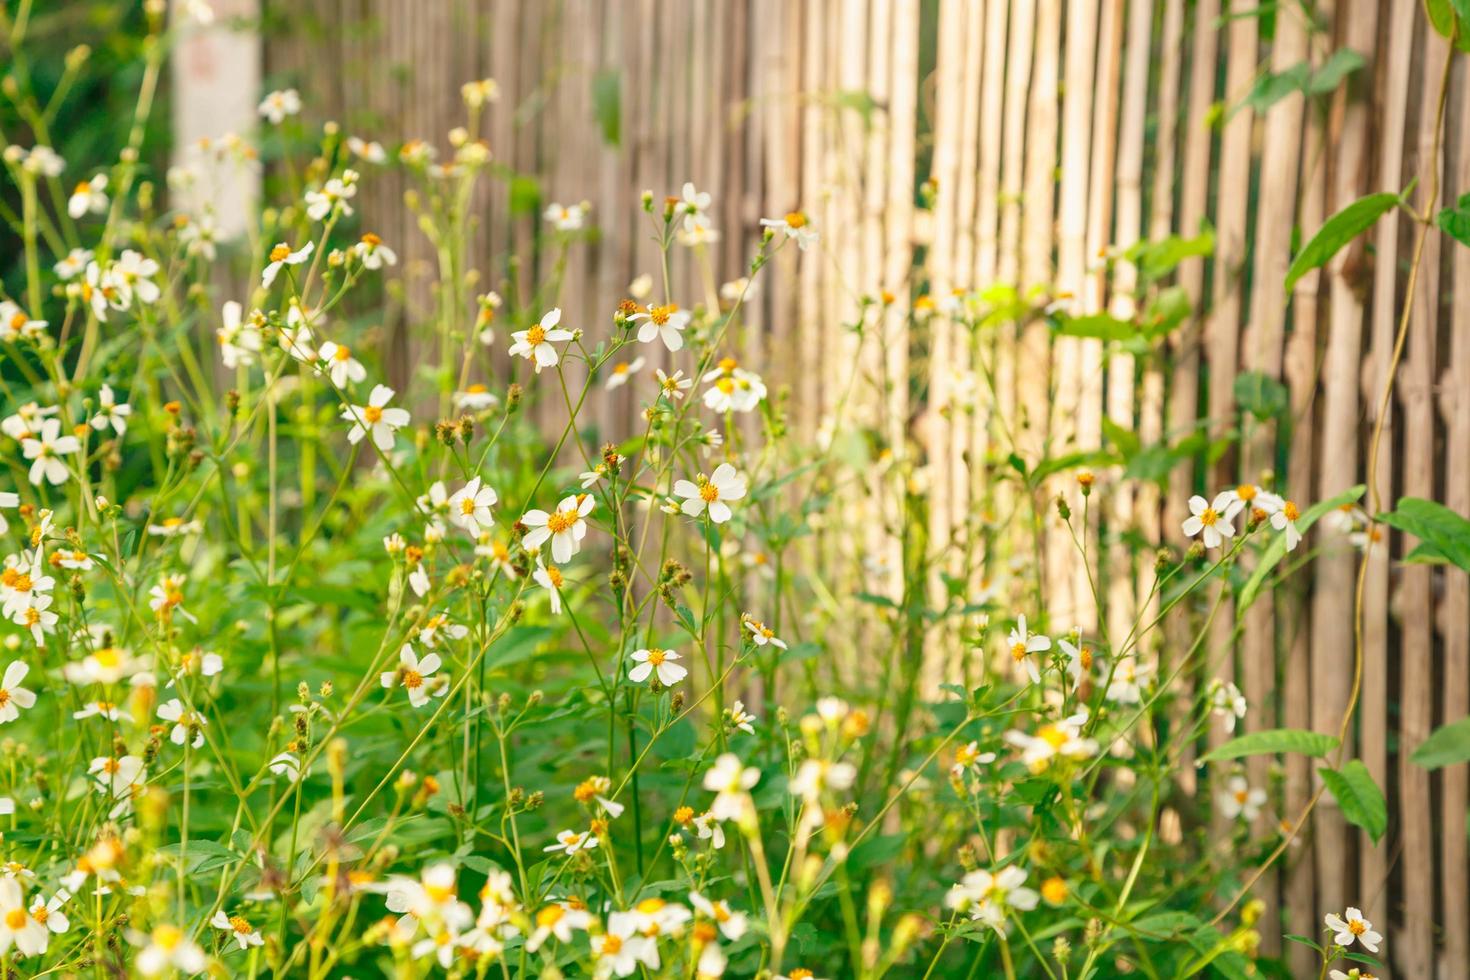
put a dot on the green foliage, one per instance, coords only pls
(1447, 745)
(1274, 741)
(1261, 395)
(1359, 797)
(1455, 221)
(1340, 229)
(1444, 535)
(607, 104)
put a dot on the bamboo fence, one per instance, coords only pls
(1050, 131)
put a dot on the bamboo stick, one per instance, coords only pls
(1414, 603)
(1336, 569)
(1373, 713)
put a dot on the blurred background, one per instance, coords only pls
(942, 145)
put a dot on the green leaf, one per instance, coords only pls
(1446, 533)
(1359, 797)
(1261, 395)
(1445, 746)
(1462, 11)
(1156, 259)
(1342, 63)
(1276, 550)
(607, 105)
(1122, 437)
(1099, 326)
(524, 194)
(1441, 16)
(1340, 229)
(1271, 88)
(1455, 221)
(1271, 742)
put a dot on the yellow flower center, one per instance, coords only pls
(371, 240)
(611, 945)
(476, 389)
(241, 926)
(620, 368)
(413, 680)
(1209, 517)
(536, 335)
(167, 937)
(656, 657)
(1246, 492)
(550, 916)
(1357, 927)
(561, 520)
(280, 253)
(553, 575)
(15, 919)
(660, 314)
(709, 493)
(342, 353)
(17, 321)
(1052, 735)
(373, 414)
(1018, 652)
(1290, 510)
(795, 219)
(727, 385)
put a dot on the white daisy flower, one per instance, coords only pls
(1023, 643)
(338, 363)
(656, 659)
(45, 449)
(276, 106)
(622, 371)
(89, 197)
(664, 323)
(282, 256)
(416, 676)
(565, 527)
(712, 493)
(470, 506)
(795, 226)
(377, 418)
(110, 412)
(1239, 800)
(1352, 926)
(535, 344)
(1209, 518)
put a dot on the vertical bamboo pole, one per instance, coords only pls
(1263, 354)
(1064, 601)
(992, 115)
(1184, 395)
(1373, 881)
(1336, 569)
(940, 420)
(1161, 223)
(1301, 374)
(1414, 603)
(1120, 499)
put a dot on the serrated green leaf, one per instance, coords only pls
(1340, 229)
(1445, 746)
(1271, 742)
(1455, 221)
(1359, 797)
(1446, 533)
